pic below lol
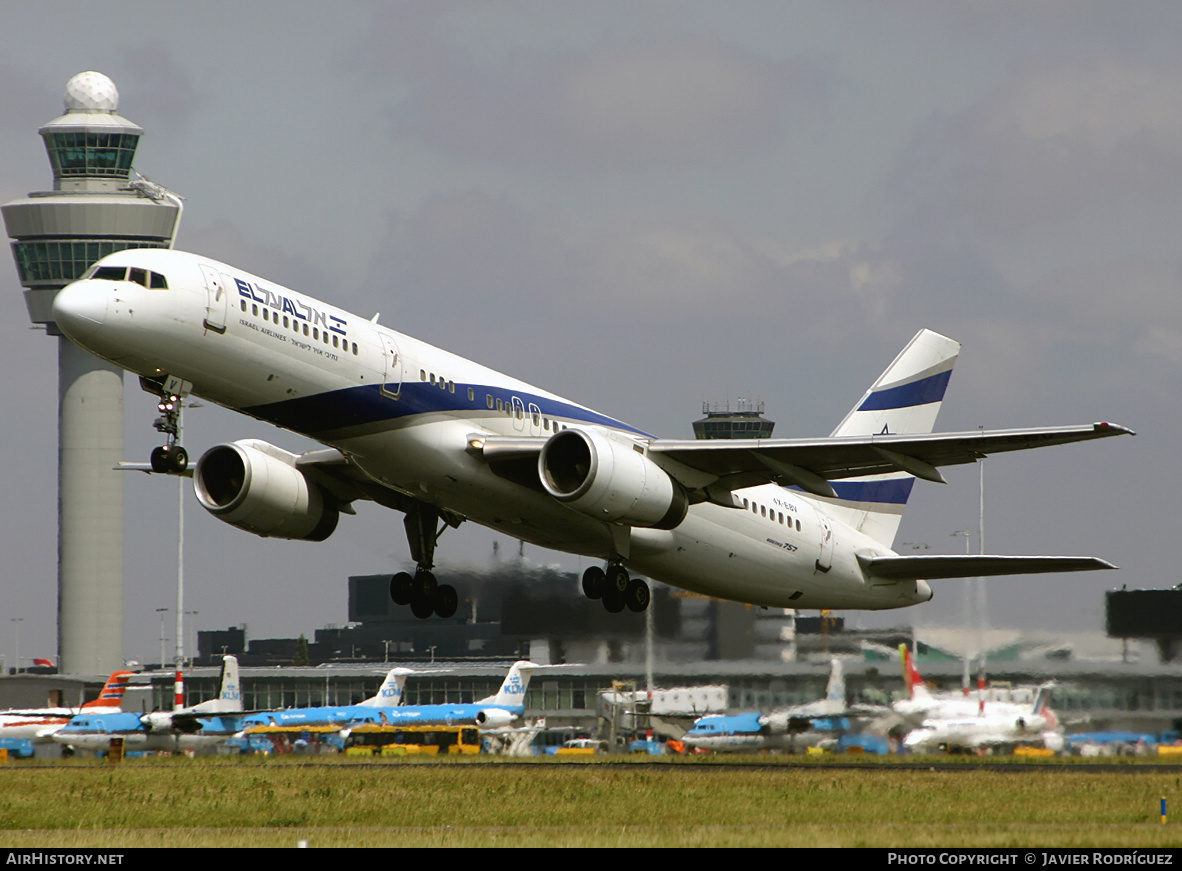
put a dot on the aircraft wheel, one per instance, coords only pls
(422, 608)
(424, 585)
(613, 601)
(594, 582)
(637, 595)
(179, 460)
(617, 578)
(446, 600)
(400, 588)
(159, 460)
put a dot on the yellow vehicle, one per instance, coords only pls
(373, 739)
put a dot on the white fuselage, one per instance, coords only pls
(404, 411)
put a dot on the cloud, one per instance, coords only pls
(629, 105)
(1056, 141)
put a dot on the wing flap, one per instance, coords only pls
(939, 567)
(857, 456)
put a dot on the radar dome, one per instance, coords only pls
(91, 92)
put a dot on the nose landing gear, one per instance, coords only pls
(169, 458)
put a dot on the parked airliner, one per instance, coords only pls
(389, 694)
(498, 710)
(39, 724)
(201, 725)
(788, 728)
(802, 523)
(998, 725)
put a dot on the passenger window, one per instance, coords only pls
(798, 525)
(354, 349)
(471, 395)
(488, 400)
(242, 302)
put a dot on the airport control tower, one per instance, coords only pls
(98, 205)
(746, 421)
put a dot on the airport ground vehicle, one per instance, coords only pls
(379, 740)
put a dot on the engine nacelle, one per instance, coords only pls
(609, 477)
(493, 718)
(257, 487)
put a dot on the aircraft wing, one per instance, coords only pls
(811, 463)
(714, 466)
(937, 567)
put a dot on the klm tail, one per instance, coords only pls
(390, 693)
(512, 691)
(905, 399)
(229, 700)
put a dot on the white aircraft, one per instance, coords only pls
(39, 724)
(801, 523)
(995, 725)
(922, 704)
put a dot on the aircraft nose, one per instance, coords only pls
(79, 309)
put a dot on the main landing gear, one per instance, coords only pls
(169, 458)
(421, 591)
(616, 589)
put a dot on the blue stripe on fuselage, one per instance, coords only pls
(367, 404)
(921, 392)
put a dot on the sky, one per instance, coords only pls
(645, 206)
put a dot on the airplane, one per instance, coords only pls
(389, 694)
(182, 728)
(921, 703)
(784, 729)
(498, 710)
(996, 725)
(187, 720)
(799, 523)
(39, 724)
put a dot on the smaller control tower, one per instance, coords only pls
(96, 207)
(745, 422)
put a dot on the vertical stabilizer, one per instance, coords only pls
(835, 692)
(111, 695)
(912, 679)
(905, 399)
(512, 691)
(229, 700)
(390, 693)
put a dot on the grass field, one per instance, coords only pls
(221, 802)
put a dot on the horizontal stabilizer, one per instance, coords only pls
(929, 568)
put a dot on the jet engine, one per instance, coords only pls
(258, 487)
(610, 477)
(493, 718)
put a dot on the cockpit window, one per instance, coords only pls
(154, 280)
(110, 273)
